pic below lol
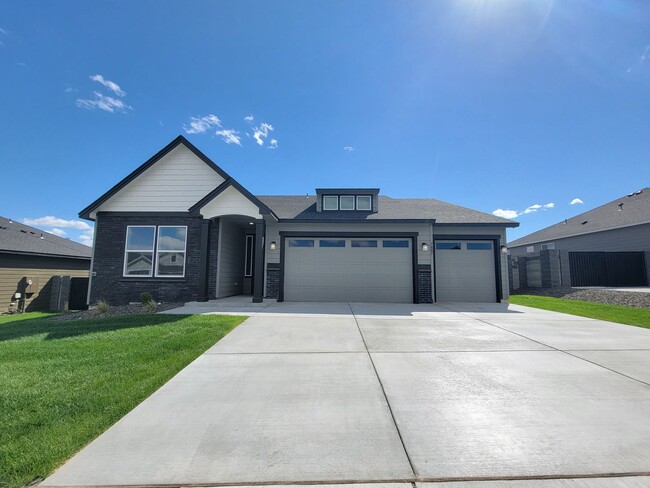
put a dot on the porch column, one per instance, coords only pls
(202, 295)
(258, 274)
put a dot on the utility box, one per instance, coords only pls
(30, 285)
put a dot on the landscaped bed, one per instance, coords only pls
(62, 383)
(637, 316)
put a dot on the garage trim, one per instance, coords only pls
(496, 244)
(408, 235)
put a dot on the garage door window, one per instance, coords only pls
(395, 243)
(479, 246)
(448, 246)
(364, 243)
(301, 243)
(332, 243)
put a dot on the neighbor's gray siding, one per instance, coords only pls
(636, 238)
(231, 259)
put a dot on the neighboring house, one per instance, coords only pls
(182, 229)
(31, 255)
(606, 246)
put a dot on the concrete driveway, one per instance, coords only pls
(349, 393)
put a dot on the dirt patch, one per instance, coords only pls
(114, 311)
(610, 297)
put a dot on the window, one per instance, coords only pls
(364, 202)
(330, 202)
(347, 202)
(332, 243)
(530, 249)
(248, 257)
(479, 246)
(170, 251)
(395, 243)
(138, 254)
(448, 246)
(301, 243)
(364, 243)
(550, 245)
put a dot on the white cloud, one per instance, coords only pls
(50, 221)
(86, 238)
(506, 214)
(102, 102)
(261, 132)
(511, 214)
(273, 144)
(230, 136)
(111, 85)
(348, 148)
(575, 201)
(200, 125)
(69, 89)
(57, 232)
(249, 118)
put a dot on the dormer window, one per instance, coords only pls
(330, 202)
(347, 199)
(364, 202)
(347, 202)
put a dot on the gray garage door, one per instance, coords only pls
(465, 271)
(344, 269)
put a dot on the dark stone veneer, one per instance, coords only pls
(108, 282)
(272, 280)
(425, 291)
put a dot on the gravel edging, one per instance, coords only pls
(115, 311)
(609, 297)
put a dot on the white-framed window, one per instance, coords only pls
(248, 257)
(138, 252)
(530, 248)
(170, 251)
(364, 202)
(346, 202)
(330, 202)
(549, 245)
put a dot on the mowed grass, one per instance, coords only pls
(62, 383)
(639, 317)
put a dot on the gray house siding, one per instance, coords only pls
(231, 260)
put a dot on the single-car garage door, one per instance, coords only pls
(465, 271)
(344, 269)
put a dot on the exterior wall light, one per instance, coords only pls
(273, 246)
(425, 247)
(504, 250)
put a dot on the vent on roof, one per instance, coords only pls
(23, 231)
(634, 193)
(583, 223)
(620, 207)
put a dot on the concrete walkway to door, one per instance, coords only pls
(338, 392)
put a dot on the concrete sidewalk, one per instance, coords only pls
(363, 393)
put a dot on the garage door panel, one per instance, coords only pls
(369, 274)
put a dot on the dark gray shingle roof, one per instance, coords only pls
(304, 208)
(20, 238)
(635, 209)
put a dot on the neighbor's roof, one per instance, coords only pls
(23, 239)
(632, 209)
(304, 208)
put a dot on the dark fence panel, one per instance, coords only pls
(607, 269)
(78, 294)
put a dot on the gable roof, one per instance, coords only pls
(85, 213)
(16, 238)
(632, 209)
(264, 210)
(303, 208)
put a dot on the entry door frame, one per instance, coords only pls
(413, 236)
(496, 245)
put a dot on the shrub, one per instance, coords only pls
(103, 306)
(150, 306)
(145, 298)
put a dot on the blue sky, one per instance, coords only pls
(490, 104)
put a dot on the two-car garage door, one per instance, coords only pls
(348, 269)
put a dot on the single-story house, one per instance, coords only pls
(30, 259)
(606, 246)
(182, 229)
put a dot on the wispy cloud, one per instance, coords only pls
(576, 201)
(261, 132)
(111, 85)
(511, 214)
(348, 148)
(642, 59)
(3, 33)
(51, 221)
(249, 118)
(273, 144)
(57, 232)
(103, 102)
(86, 238)
(229, 136)
(200, 125)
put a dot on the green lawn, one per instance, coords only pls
(64, 383)
(639, 317)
